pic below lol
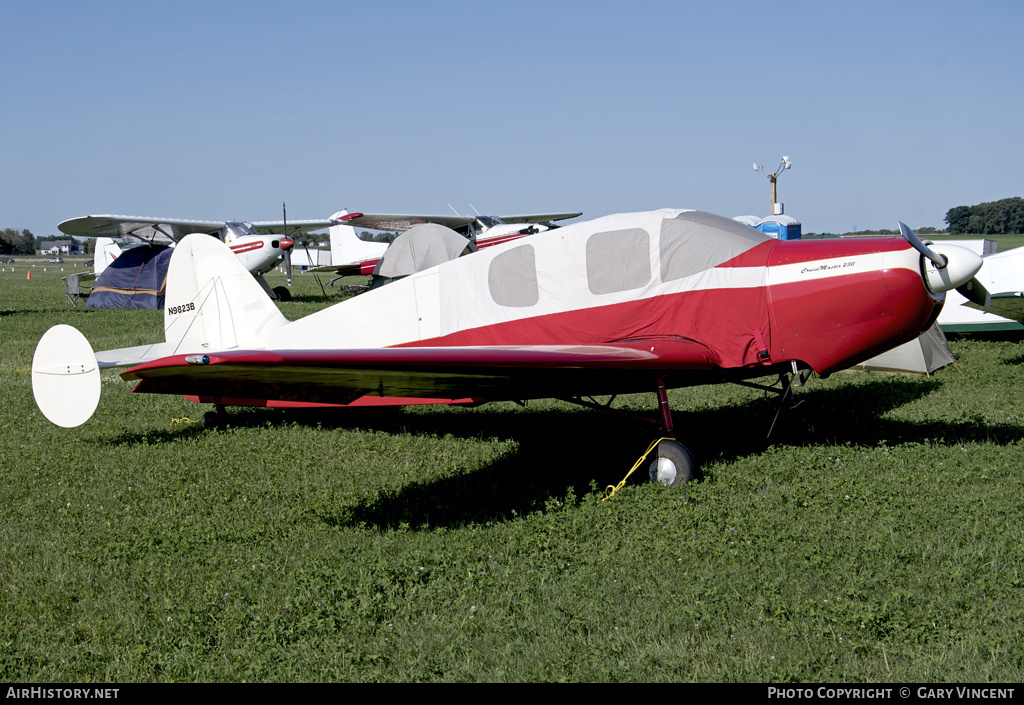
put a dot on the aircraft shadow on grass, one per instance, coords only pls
(563, 449)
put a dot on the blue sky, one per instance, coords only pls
(220, 110)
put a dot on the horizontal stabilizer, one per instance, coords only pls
(65, 377)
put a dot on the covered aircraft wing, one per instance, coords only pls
(481, 373)
(152, 230)
(539, 218)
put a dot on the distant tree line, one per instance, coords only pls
(994, 218)
(14, 243)
(377, 236)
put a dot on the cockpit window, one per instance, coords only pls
(240, 229)
(618, 260)
(488, 221)
(512, 278)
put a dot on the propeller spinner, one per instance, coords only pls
(943, 267)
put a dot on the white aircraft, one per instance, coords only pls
(351, 255)
(998, 288)
(260, 246)
(626, 303)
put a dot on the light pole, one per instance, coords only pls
(773, 177)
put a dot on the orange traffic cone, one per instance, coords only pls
(28, 275)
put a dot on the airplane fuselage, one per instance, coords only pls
(258, 253)
(756, 302)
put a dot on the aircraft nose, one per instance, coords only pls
(287, 243)
(961, 266)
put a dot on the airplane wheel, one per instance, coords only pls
(213, 420)
(282, 293)
(673, 464)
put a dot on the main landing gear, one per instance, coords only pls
(218, 418)
(672, 464)
(669, 462)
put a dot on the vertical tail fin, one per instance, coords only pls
(213, 302)
(105, 252)
(347, 248)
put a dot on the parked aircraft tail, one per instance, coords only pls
(212, 303)
(105, 252)
(347, 248)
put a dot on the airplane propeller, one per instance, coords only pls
(951, 266)
(910, 236)
(290, 243)
(286, 246)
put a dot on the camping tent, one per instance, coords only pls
(923, 355)
(418, 248)
(136, 279)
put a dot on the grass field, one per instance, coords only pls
(877, 538)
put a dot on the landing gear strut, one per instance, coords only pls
(673, 464)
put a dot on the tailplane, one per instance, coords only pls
(212, 303)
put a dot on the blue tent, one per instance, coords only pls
(136, 279)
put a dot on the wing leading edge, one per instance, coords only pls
(174, 229)
(436, 373)
(143, 228)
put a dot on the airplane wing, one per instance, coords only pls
(997, 288)
(396, 221)
(539, 218)
(479, 373)
(173, 229)
(293, 227)
(143, 228)
(1008, 304)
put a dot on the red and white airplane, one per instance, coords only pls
(259, 246)
(350, 255)
(626, 303)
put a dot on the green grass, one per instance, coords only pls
(877, 538)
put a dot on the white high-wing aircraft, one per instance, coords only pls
(351, 255)
(260, 246)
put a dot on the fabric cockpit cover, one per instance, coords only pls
(136, 279)
(418, 248)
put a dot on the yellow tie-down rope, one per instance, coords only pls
(184, 419)
(610, 490)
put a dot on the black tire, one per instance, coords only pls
(282, 293)
(679, 468)
(213, 420)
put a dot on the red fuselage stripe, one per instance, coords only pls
(247, 247)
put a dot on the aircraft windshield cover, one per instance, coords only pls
(136, 279)
(421, 247)
(612, 279)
